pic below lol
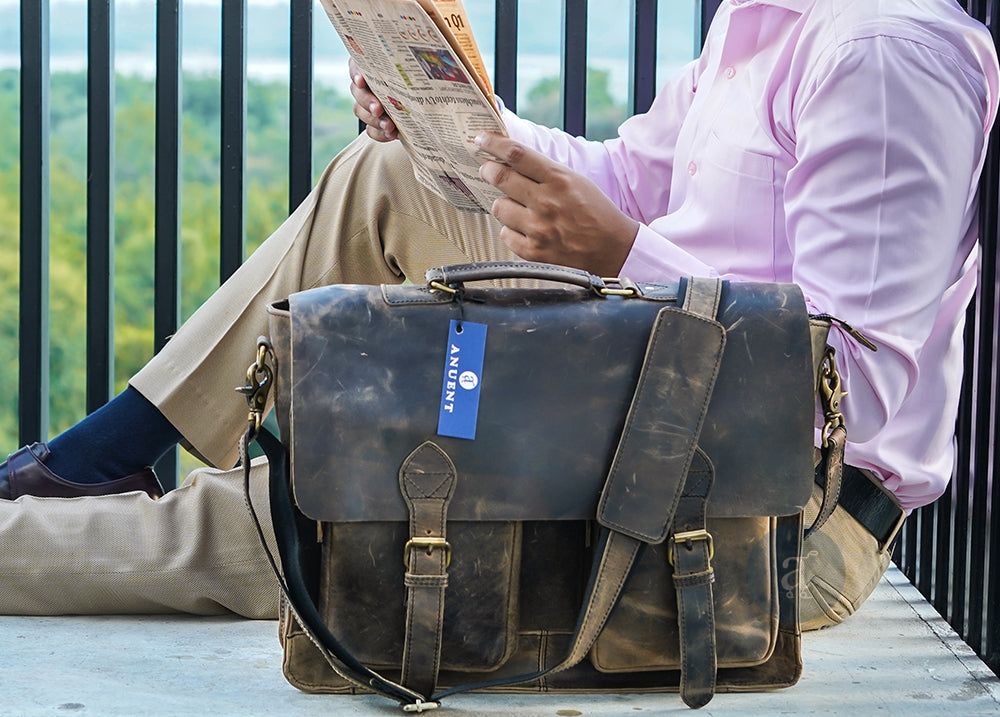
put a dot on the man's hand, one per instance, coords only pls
(551, 213)
(368, 109)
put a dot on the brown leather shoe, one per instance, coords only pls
(25, 473)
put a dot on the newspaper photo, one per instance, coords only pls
(420, 59)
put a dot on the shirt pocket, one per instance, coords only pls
(740, 185)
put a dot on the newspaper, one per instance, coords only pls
(420, 59)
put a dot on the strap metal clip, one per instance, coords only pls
(260, 376)
(831, 393)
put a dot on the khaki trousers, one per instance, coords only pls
(840, 566)
(368, 221)
(196, 550)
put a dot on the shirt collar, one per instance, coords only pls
(799, 6)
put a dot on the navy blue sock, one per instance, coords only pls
(123, 436)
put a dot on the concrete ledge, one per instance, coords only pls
(896, 657)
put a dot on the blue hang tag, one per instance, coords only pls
(463, 378)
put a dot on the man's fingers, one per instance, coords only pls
(356, 75)
(512, 214)
(508, 180)
(368, 109)
(524, 160)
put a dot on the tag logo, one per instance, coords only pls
(463, 369)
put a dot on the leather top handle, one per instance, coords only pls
(448, 276)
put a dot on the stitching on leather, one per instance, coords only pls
(421, 493)
(620, 581)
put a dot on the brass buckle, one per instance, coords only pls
(428, 544)
(608, 291)
(687, 538)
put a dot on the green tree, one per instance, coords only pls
(604, 114)
(135, 122)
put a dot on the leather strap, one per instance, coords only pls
(702, 296)
(691, 551)
(427, 482)
(871, 505)
(663, 425)
(610, 570)
(291, 579)
(829, 477)
(648, 491)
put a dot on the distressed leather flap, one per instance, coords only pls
(559, 374)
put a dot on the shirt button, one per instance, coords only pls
(730, 72)
(692, 168)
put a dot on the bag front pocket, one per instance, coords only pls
(363, 598)
(642, 635)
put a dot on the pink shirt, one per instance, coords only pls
(835, 144)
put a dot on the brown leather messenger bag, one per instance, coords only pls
(592, 486)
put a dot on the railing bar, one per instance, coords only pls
(962, 479)
(963, 494)
(505, 52)
(991, 643)
(985, 379)
(901, 552)
(909, 564)
(908, 545)
(943, 553)
(642, 54)
(300, 102)
(981, 577)
(100, 202)
(708, 10)
(574, 67)
(232, 185)
(991, 650)
(927, 554)
(33, 346)
(166, 281)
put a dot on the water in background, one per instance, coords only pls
(539, 22)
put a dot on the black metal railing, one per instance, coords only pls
(950, 550)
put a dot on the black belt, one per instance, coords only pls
(870, 505)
